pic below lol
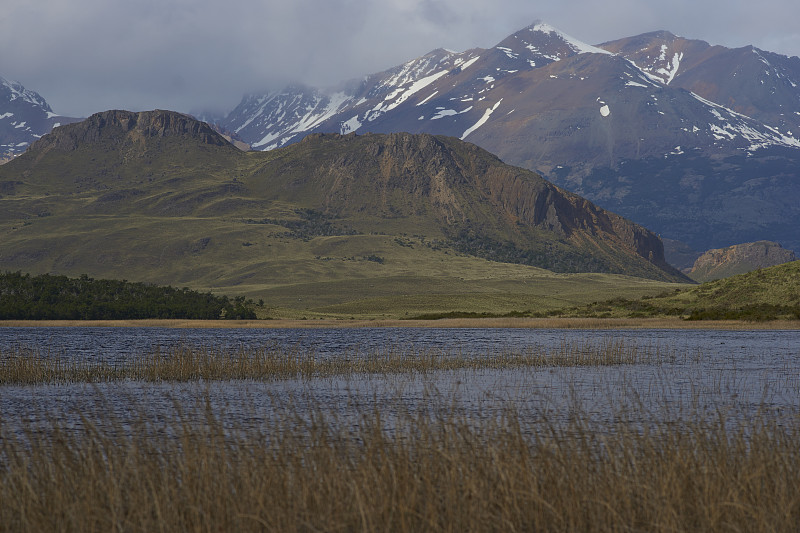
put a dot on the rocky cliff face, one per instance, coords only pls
(474, 198)
(738, 259)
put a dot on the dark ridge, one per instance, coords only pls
(117, 124)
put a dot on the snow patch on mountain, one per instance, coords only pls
(535, 50)
(761, 58)
(335, 103)
(16, 90)
(508, 52)
(425, 101)
(441, 112)
(662, 70)
(482, 121)
(464, 65)
(669, 73)
(400, 95)
(578, 46)
(350, 125)
(731, 124)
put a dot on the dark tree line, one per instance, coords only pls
(47, 297)
(548, 255)
(310, 224)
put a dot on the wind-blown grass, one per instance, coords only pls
(439, 465)
(189, 363)
(433, 471)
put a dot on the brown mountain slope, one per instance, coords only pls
(694, 141)
(739, 259)
(461, 193)
(99, 183)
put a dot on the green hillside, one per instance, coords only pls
(763, 294)
(368, 225)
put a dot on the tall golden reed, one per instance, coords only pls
(442, 468)
(27, 366)
(305, 471)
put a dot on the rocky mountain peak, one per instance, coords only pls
(540, 43)
(132, 127)
(24, 117)
(660, 54)
(738, 259)
(11, 90)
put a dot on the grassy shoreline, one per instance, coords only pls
(525, 323)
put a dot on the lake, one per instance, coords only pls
(739, 374)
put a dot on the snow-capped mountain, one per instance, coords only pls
(536, 73)
(603, 121)
(24, 117)
(756, 83)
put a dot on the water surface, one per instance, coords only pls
(741, 374)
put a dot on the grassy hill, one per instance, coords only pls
(763, 294)
(372, 225)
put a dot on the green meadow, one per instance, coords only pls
(765, 294)
(359, 276)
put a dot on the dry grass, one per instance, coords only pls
(188, 363)
(415, 472)
(442, 467)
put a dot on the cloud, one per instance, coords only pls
(89, 55)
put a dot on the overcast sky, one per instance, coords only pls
(85, 56)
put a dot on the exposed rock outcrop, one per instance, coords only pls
(121, 127)
(472, 194)
(738, 259)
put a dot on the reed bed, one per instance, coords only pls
(29, 366)
(444, 471)
(24, 366)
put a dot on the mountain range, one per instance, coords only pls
(699, 143)
(696, 142)
(159, 196)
